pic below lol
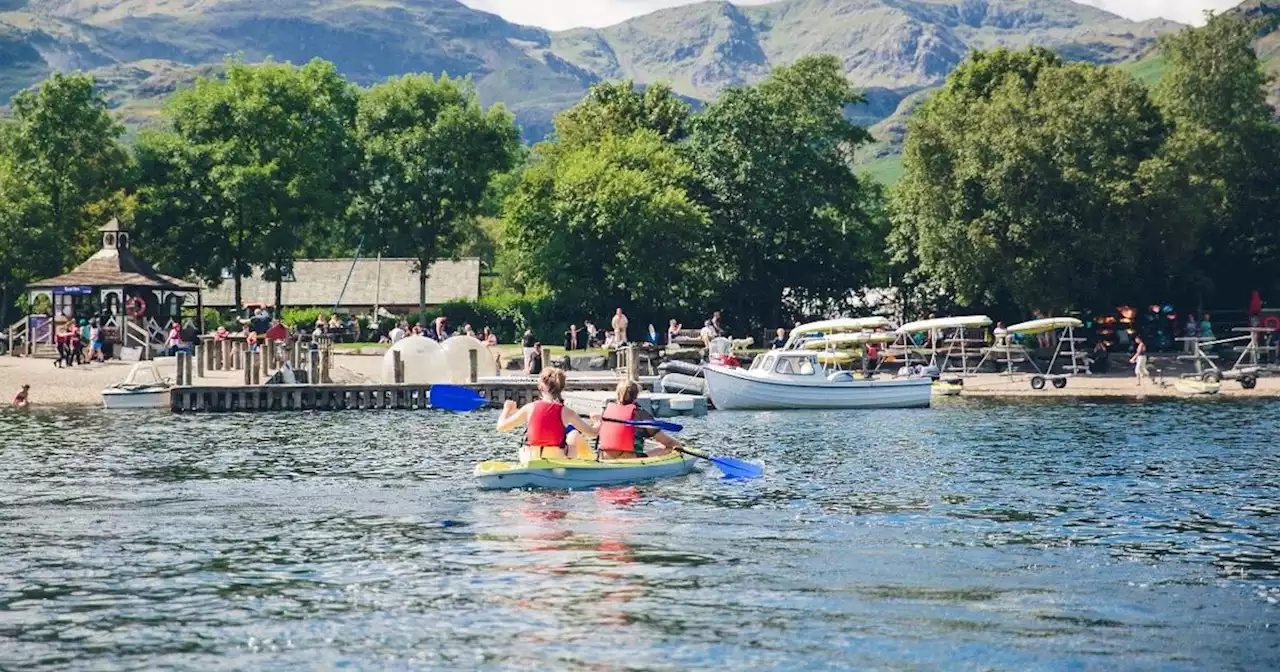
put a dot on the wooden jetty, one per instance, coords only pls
(263, 389)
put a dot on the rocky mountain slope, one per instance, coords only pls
(142, 49)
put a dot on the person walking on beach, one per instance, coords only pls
(1139, 359)
(620, 323)
(22, 400)
(95, 342)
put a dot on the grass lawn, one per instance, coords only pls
(1148, 70)
(886, 170)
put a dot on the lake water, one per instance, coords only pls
(972, 536)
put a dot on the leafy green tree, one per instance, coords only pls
(619, 108)
(27, 234)
(429, 152)
(257, 166)
(790, 216)
(65, 146)
(1226, 141)
(608, 222)
(1031, 184)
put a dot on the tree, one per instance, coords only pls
(257, 165)
(63, 155)
(429, 152)
(607, 222)
(27, 234)
(1030, 184)
(619, 108)
(774, 169)
(1225, 140)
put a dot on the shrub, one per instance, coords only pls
(303, 317)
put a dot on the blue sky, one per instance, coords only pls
(557, 14)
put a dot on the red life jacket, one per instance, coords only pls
(546, 427)
(616, 436)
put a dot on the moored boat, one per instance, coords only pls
(135, 394)
(574, 474)
(793, 379)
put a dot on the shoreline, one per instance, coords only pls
(81, 386)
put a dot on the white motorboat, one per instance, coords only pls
(793, 379)
(135, 393)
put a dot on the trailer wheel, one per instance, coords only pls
(1037, 382)
(1059, 383)
(1211, 376)
(1248, 382)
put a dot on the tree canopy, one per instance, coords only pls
(429, 153)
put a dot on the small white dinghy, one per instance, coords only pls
(135, 393)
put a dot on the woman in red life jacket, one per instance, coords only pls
(622, 442)
(548, 419)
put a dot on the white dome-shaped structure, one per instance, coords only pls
(423, 358)
(457, 360)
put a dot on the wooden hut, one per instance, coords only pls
(133, 303)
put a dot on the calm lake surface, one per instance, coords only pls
(972, 536)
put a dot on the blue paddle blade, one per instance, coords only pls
(456, 398)
(737, 468)
(656, 424)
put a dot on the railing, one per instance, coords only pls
(18, 337)
(135, 333)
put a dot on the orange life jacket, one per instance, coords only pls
(616, 436)
(546, 427)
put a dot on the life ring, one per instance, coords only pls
(135, 307)
(1272, 322)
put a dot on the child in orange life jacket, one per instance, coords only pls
(621, 442)
(548, 419)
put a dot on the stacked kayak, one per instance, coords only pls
(570, 474)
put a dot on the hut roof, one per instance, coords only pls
(319, 282)
(111, 267)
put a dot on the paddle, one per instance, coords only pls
(456, 398)
(733, 468)
(650, 424)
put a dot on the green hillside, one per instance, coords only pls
(142, 49)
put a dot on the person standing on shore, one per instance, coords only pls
(95, 342)
(526, 346)
(1139, 359)
(620, 323)
(22, 399)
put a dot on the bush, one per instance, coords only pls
(303, 317)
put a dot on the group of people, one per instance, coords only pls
(438, 330)
(72, 339)
(555, 431)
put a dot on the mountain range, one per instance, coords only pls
(141, 50)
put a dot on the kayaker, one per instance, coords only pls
(548, 420)
(619, 441)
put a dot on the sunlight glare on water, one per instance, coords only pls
(975, 535)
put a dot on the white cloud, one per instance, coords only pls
(560, 14)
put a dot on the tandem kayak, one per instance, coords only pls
(572, 474)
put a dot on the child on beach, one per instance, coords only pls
(22, 399)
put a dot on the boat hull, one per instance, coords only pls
(734, 389)
(577, 474)
(126, 399)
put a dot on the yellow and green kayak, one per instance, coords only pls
(573, 474)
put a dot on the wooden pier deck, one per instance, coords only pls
(389, 396)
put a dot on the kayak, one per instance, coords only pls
(571, 474)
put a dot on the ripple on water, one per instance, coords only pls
(974, 535)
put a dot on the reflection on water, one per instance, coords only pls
(974, 535)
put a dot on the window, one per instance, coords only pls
(784, 366)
